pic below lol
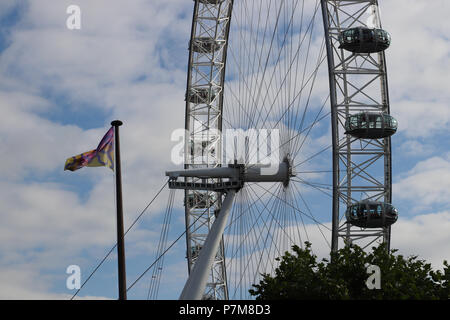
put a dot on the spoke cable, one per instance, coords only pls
(114, 247)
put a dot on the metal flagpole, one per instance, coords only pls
(120, 235)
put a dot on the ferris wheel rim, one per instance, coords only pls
(221, 96)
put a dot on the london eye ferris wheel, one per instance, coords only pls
(299, 86)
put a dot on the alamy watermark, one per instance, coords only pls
(374, 280)
(250, 147)
(73, 281)
(73, 22)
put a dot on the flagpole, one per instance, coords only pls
(120, 235)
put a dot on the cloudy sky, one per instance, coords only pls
(60, 89)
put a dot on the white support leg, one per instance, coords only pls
(196, 283)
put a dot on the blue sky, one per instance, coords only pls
(60, 89)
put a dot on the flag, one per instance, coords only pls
(103, 156)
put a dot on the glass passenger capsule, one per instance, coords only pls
(202, 147)
(211, 1)
(364, 40)
(201, 95)
(371, 125)
(200, 200)
(205, 45)
(195, 250)
(371, 214)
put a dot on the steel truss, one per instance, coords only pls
(203, 125)
(358, 82)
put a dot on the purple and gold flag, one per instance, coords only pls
(103, 156)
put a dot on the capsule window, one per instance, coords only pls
(372, 210)
(349, 35)
(380, 35)
(353, 123)
(363, 121)
(363, 210)
(379, 122)
(394, 123)
(354, 211)
(379, 210)
(367, 34)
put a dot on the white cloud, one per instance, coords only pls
(26, 283)
(427, 184)
(34, 144)
(424, 235)
(129, 61)
(37, 214)
(418, 65)
(6, 6)
(416, 148)
(421, 117)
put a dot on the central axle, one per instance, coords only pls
(232, 177)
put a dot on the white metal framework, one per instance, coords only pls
(204, 103)
(275, 55)
(358, 83)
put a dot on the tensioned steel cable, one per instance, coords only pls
(170, 247)
(313, 75)
(157, 271)
(112, 249)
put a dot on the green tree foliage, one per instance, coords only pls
(300, 276)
